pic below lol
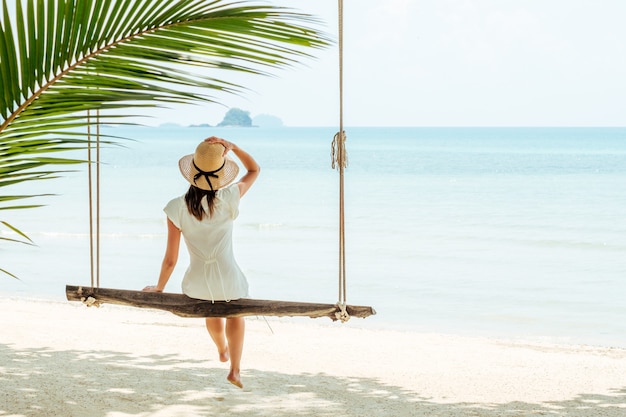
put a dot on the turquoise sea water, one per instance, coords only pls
(514, 232)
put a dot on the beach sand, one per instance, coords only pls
(64, 359)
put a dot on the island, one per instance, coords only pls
(241, 118)
(236, 117)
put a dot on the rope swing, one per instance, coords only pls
(185, 306)
(94, 238)
(340, 162)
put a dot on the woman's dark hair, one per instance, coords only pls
(194, 197)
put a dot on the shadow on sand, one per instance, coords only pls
(39, 382)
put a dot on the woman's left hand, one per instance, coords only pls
(228, 146)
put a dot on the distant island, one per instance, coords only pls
(241, 118)
(235, 117)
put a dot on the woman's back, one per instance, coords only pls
(213, 273)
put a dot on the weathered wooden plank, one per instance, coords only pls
(184, 306)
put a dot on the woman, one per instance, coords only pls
(204, 216)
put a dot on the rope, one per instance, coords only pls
(98, 198)
(90, 179)
(340, 162)
(338, 154)
(94, 238)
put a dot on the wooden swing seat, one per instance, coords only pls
(185, 306)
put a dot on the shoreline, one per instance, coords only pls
(67, 359)
(382, 322)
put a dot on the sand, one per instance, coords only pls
(64, 359)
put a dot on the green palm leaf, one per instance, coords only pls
(60, 59)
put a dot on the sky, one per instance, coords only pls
(450, 63)
(446, 63)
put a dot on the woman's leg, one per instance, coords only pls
(215, 326)
(235, 331)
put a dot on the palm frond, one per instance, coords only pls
(14, 229)
(61, 59)
(4, 271)
(84, 54)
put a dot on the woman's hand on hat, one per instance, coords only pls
(228, 146)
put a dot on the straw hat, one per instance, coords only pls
(207, 168)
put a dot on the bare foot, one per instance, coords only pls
(224, 356)
(234, 378)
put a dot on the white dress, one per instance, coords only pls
(213, 273)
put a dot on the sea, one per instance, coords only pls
(515, 233)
